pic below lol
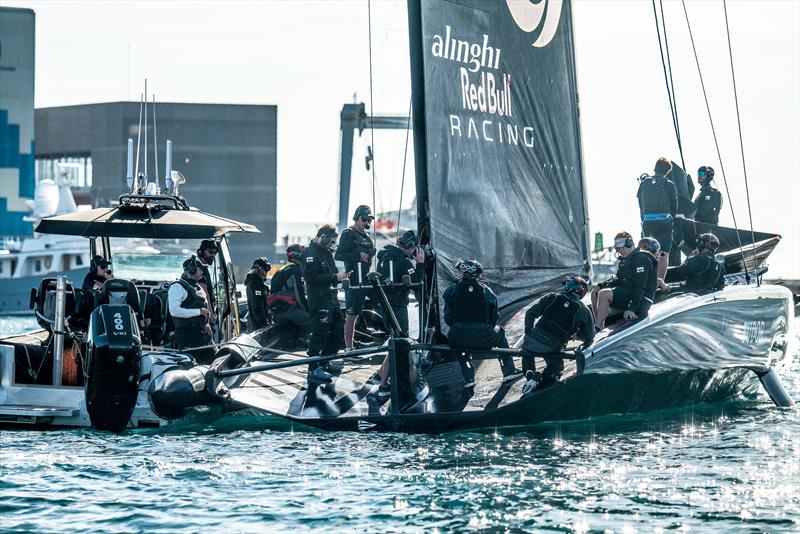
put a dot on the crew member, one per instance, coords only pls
(702, 272)
(257, 294)
(287, 300)
(356, 251)
(471, 312)
(99, 272)
(561, 316)
(395, 262)
(653, 247)
(190, 311)
(322, 277)
(627, 292)
(206, 254)
(658, 202)
(709, 199)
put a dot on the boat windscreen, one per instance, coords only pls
(152, 260)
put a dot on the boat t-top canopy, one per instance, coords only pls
(144, 216)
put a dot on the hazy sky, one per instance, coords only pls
(309, 58)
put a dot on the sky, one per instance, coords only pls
(310, 58)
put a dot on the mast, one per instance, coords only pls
(418, 116)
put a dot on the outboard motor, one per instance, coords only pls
(114, 348)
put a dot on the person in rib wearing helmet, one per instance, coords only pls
(395, 262)
(561, 316)
(356, 251)
(702, 272)
(709, 199)
(322, 276)
(257, 294)
(287, 299)
(471, 312)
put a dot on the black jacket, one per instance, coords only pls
(289, 281)
(392, 256)
(351, 244)
(469, 301)
(206, 280)
(562, 316)
(319, 273)
(90, 279)
(657, 195)
(257, 311)
(708, 204)
(638, 274)
(702, 272)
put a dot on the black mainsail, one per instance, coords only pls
(497, 141)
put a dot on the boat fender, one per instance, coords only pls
(174, 391)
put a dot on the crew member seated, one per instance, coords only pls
(709, 199)
(189, 307)
(99, 272)
(702, 272)
(653, 247)
(471, 312)
(626, 293)
(560, 316)
(395, 262)
(287, 299)
(658, 203)
(257, 293)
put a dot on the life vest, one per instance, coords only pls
(281, 296)
(468, 304)
(655, 200)
(191, 302)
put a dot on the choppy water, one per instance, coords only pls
(707, 468)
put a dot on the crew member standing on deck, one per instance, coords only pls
(709, 200)
(356, 251)
(189, 308)
(322, 277)
(287, 299)
(257, 294)
(206, 254)
(658, 203)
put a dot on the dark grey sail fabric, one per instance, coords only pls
(504, 174)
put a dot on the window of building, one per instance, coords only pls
(77, 169)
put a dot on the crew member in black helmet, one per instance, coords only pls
(322, 277)
(658, 202)
(257, 294)
(702, 272)
(99, 272)
(287, 299)
(560, 316)
(628, 291)
(190, 311)
(395, 262)
(471, 312)
(709, 199)
(356, 251)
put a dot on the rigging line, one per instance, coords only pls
(739, 124)
(716, 143)
(675, 116)
(155, 144)
(667, 79)
(371, 110)
(405, 158)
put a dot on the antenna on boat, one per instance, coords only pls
(143, 177)
(168, 183)
(156, 189)
(138, 143)
(130, 164)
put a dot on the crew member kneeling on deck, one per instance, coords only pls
(257, 294)
(702, 272)
(471, 312)
(287, 299)
(99, 272)
(356, 251)
(189, 307)
(394, 263)
(658, 202)
(627, 292)
(322, 277)
(561, 316)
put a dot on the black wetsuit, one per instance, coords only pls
(471, 312)
(288, 298)
(319, 273)
(658, 203)
(397, 294)
(90, 279)
(702, 272)
(561, 316)
(709, 204)
(635, 283)
(206, 280)
(257, 293)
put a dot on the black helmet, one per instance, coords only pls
(470, 269)
(191, 265)
(577, 285)
(208, 244)
(363, 211)
(707, 241)
(98, 261)
(294, 252)
(706, 171)
(408, 239)
(653, 245)
(263, 263)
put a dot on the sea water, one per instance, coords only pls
(705, 468)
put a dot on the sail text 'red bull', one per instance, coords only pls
(483, 89)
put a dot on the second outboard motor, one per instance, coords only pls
(114, 350)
